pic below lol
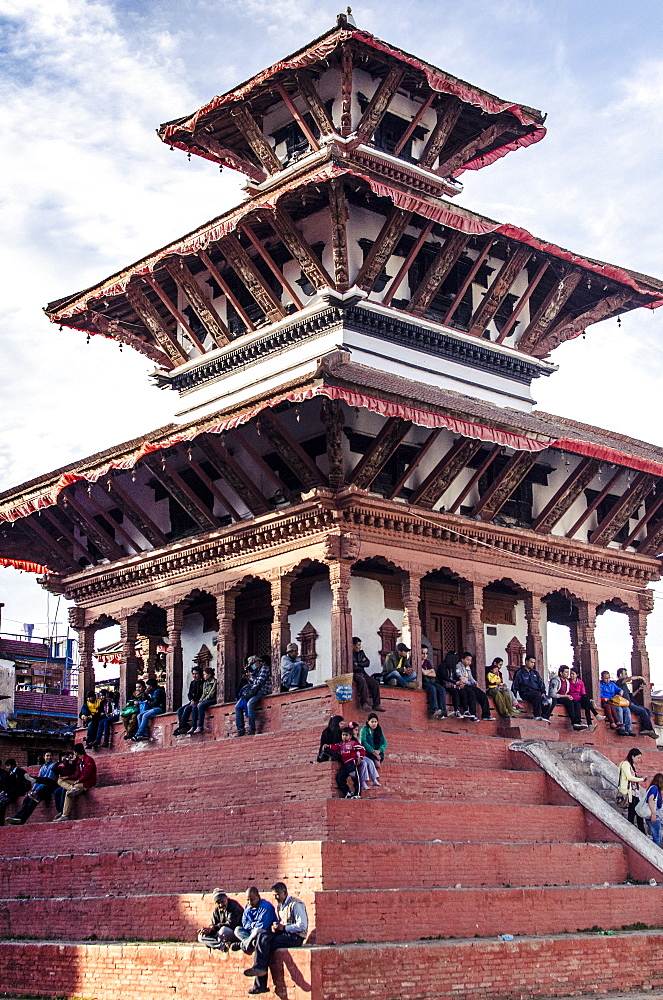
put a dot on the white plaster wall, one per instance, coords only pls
(368, 613)
(319, 615)
(496, 644)
(7, 684)
(193, 637)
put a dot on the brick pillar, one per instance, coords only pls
(588, 653)
(226, 646)
(411, 635)
(341, 616)
(86, 641)
(280, 633)
(637, 620)
(174, 659)
(129, 662)
(534, 642)
(475, 639)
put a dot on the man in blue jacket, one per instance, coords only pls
(259, 915)
(528, 685)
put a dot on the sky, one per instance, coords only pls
(87, 188)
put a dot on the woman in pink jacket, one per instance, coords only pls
(579, 693)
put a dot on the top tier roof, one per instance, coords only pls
(322, 84)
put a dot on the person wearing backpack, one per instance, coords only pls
(650, 808)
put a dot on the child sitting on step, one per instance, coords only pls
(352, 753)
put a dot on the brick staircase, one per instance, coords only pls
(407, 888)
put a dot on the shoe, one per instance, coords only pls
(303, 687)
(537, 718)
(376, 784)
(364, 788)
(235, 946)
(578, 728)
(258, 989)
(379, 708)
(105, 745)
(14, 820)
(488, 718)
(473, 718)
(252, 732)
(459, 715)
(650, 732)
(392, 684)
(467, 715)
(61, 819)
(349, 795)
(178, 732)
(365, 707)
(253, 971)
(240, 732)
(583, 725)
(437, 714)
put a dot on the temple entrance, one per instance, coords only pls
(253, 622)
(443, 618)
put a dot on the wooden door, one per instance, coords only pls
(445, 632)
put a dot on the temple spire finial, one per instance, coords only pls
(346, 20)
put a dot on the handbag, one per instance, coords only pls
(642, 808)
(619, 701)
(129, 710)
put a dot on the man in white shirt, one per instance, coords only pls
(289, 931)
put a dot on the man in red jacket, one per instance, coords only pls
(83, 778)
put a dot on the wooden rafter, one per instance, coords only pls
(407, 263)
(209, 483)
(229, 157)
(269, 261)
(299, 117)
(174, 312)
(292, 238)
(570, 327)
(474, 478)
(414, 464)
(438, 481)
(467, 281)
(93, 531)
(382, 447)
(314, 103)
(470, 149)
(226, 289)
(56, 517)
(131, 510)
(522, 302)
(620, 512)
(504, 484)
(111, 327)
(118, 529)
(376, 260)
(346, 89)
(591, 507)
(549, 309)
(415, 121)
(438, 271)
(233, 473)
(290, 451)
(652, 544)
(63, 557)
(644, 520)
(152, 319)
(200, 302)
(572, 487)
(380, 101)
(498, 290)
(447, 116)
(251, 277)
(256, 140)
(173, 483)
(338, 211)
(332, 417)
(262, 467)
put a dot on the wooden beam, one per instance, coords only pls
(276, 271)
(263, 468)
(332, 417)
(447, 116)
(474, 479)
(110, 327)
(438, 481)
(93, 531)
(292, 238)
(314, 103)
(644, 520)
(150, 316)
(618, 515)
(63, 557)
(209, 483)
(380, 101)
(117, 528)
(591, 507)
(438, 271)
(469, 150)
(574, 484)
(415, 121)
(173, 483)
(382, 447)
(572, 326)
(199, 301)
(407, 263)
(227, 290)
(233, 473)
(522, 302)
(346, 89)
(338, 211)
(376, 260)
(504, 484)
(414, 464)
(134, 512)
(229, 157)
(469, 278)
(174, 312)
(251, 277)
(58, 519)
(256, 140)
(299, 117)
(652, 544)
(290, 451)
(497, 291)
(549, 309)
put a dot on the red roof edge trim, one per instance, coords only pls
(496, 154)
(590, 450)
(29, 567)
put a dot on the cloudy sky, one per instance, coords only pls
(87, 188)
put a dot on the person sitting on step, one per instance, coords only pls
(129, 714)
(46, 782)
(436, 694)
(83, 779)
(631, 686)
(156, 705)
(579, 694)
(90, 716)
(66, 768)
(619, 716)
(331, 734)
(192, 699)
(498, 691)
(351, 752)
(468, 681)
(259, 685)
(528, 685)
(226, 916)
(258, 915)
(293, 670)
(559, 689)
(368, 688)
(109, 714)
(207, 699)
(289, 930)
(368, 771)
(398, 667)
(446, 677)
(14, 783)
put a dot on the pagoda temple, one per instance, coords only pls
(356, 448)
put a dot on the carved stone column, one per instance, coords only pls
(153, 643)
(174, 659)
(226, 645)
(575, 645)
(588, 653)
(534, 641)
(411, 587)
(341, 616)
(637, 620)
(475, 639)
(129, 661)
(86, 638)
(280, 632)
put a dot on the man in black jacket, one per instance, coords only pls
(226, 916)
(14, 782)
(368, 687)
(156, 705)
(528, 685)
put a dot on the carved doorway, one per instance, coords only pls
(445, 633)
